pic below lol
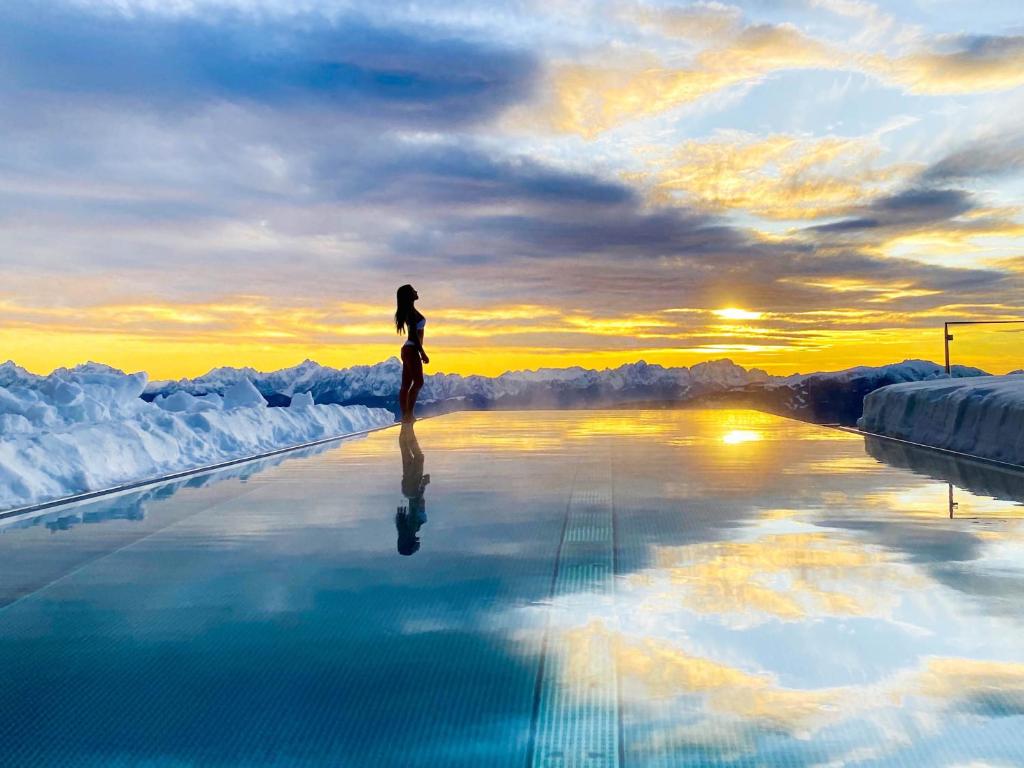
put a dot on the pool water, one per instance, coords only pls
(622, 588)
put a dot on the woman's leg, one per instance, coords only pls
(403, 393)
(410, 399)
(416, 376)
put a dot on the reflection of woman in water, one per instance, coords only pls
(412, 323)
(411, 516)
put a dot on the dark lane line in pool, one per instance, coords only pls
(576, 720)
(619, 730)
(538, 686)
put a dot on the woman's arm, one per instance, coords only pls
(419, 347)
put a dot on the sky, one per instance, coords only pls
(797, 185)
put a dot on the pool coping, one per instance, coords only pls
(134, 485)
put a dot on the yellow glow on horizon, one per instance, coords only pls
(170, 340)
(735, 313)
(40, 350)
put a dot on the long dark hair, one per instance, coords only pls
(405, 308)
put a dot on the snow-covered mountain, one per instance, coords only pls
(824, 397)
(574, 387)
(827, 397)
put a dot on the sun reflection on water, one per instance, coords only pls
(737, 436)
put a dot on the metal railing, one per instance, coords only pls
(948, 337)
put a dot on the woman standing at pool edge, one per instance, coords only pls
(410, 321)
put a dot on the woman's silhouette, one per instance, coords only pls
(411, 516)
(412, 323)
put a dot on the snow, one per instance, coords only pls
(86, 428)
(302, 400)
(11, 374)
(242, 394)
(981, 416)
(183, 402)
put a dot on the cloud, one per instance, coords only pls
(591, 98)
(344, 67)
(698, 22)
(933, 225)
(442, 173)
(876, 24)
(907, 209)
(957, 64)
(990, 156)
(775, 177)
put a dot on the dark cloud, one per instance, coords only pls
(909, 208)
(350, 67)
(635, 258)
(628, 232)
(982, 48)
(445, 174)
(996, 155)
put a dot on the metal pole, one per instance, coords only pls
(946, 338)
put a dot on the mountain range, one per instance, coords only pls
(824, 397)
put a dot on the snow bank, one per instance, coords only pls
(86, 429)
(981, 416)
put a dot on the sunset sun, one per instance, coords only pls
(734, 313)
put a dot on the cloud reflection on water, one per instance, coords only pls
(826, 611)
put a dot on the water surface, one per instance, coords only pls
(641, 588)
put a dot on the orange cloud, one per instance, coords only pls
(974, 65)
(775, 177)
(591, 98)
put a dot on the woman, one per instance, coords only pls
(408, 320)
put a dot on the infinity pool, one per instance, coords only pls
(625, 588)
